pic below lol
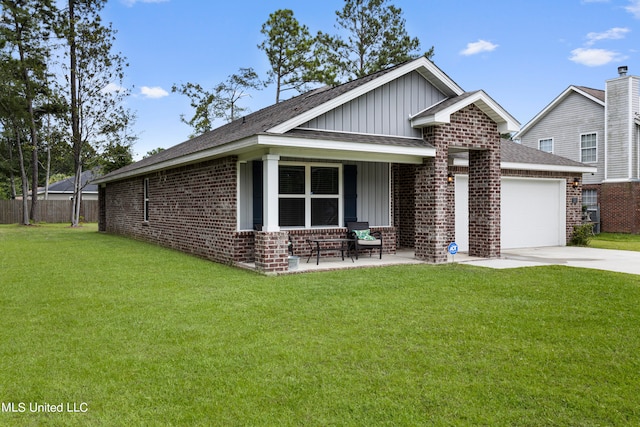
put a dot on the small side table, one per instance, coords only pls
(316, 245)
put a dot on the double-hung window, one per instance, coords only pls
(589, 148)
(546, 145)
(309, 195)
(146, 200)
(590, 198)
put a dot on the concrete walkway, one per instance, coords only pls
(599, 259)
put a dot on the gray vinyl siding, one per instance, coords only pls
(618, 129)
(373, 189)
(384, 111)
(623, 103)
(574, 116)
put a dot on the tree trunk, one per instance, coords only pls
(12, 178)
(75, 117)
(25, 182)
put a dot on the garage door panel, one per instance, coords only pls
(533, 212)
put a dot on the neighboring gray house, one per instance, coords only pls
(405, 149)
(63, 190)
(599, 128)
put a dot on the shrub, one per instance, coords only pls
(582, 234)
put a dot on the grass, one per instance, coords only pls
(148, 336)
(625, 242)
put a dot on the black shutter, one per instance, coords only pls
(350, 193)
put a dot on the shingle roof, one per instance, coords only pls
(512, 152)
(444, 104)
(596, 93)
(66, 185)
(253, 124)
(357, 137)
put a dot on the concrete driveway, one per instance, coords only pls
(600, 259)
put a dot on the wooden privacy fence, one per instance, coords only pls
(48, 211)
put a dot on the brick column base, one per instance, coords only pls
(271, 251)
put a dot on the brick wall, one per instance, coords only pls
(192, 209)
(620, 207)
(469, 128)
(271, 251)
(404, 186)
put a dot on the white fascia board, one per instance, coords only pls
(423, 65)
(547, 168)
(506, 123)
(338, 150)
(534, 167)
(226, 149)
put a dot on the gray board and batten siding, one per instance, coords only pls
(383, 111)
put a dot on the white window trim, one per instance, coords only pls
(581, 148)
(308, 196)
(546, 139)
(145, 203)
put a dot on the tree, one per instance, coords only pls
(376, 38)
(93, 69)
(153, 152)
(292, 54)
(24, 32)
(219, 103)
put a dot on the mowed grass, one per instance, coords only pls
(148, 336)
(625, 242)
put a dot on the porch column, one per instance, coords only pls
(432, 197)
(484, 203)
(270, 192)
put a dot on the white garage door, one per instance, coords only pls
(533, 212)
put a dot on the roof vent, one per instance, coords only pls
(622, 71)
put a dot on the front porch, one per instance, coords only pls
(328, 263)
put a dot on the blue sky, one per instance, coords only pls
(523, 53)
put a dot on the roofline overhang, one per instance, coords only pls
(426, 68)
(506, 122)
(553, 104)
(336, 150)
(535, 167)
(289, 146)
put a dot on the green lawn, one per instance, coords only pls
(625, 242)
(147, 336)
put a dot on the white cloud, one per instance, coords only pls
(153, 92)
(634, 8)
(113, 87)
(594, 57)
(612, 34)
(478, 47)
(130, 3)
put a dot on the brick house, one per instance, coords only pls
(405, 149)
(599, 128)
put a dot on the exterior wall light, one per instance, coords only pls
(576, 182)
(450, 178)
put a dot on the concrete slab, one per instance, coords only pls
(600, 259)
